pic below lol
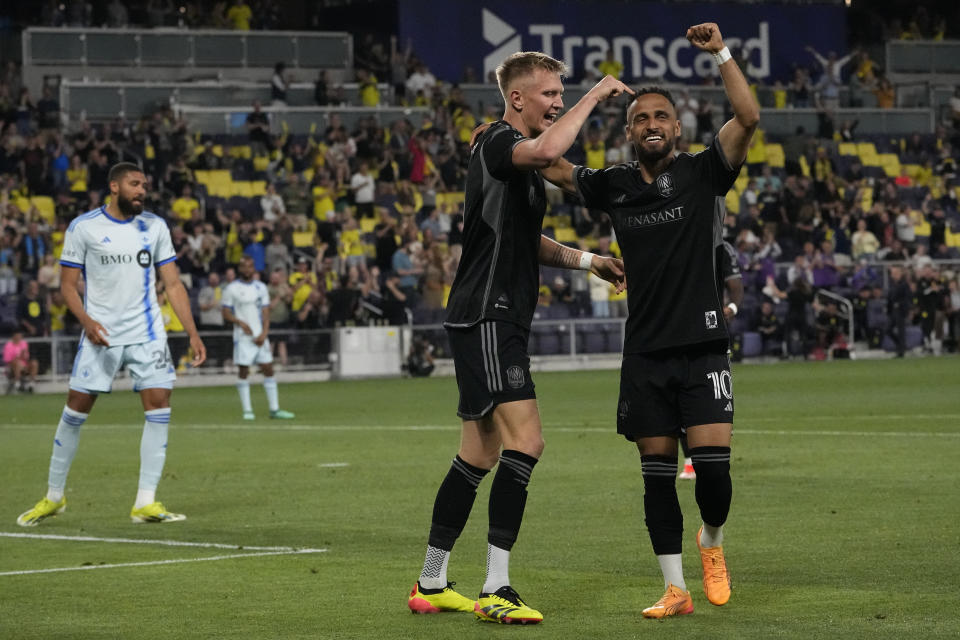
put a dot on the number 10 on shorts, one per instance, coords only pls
(722, 384)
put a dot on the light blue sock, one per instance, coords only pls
(243, 388)
(153, 452)
(273, 397)
(65, 444)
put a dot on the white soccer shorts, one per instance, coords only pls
(149, 363)
(246, 352)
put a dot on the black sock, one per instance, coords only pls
(714, 488)
(454, 501)
(660, 504)
(508, 497)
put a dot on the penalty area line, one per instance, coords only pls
(152, 563)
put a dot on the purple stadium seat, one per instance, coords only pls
(752, 344)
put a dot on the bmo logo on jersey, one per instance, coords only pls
(121, 258)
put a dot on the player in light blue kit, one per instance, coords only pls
(119, 248)
(246, 305)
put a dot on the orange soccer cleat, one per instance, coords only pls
(675, 602)
(716, 578)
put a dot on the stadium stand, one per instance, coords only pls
(240, 150)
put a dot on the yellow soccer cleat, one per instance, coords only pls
(41, 511)
(506, 607)
(716, 578)
(675, 602)
(154, 512)
(438, 600)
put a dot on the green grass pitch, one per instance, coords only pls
(844, 521)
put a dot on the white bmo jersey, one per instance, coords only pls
(247, 301)
(119, 260)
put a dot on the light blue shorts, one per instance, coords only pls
(149, 363)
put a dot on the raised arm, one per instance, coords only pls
(560, 174)
(542, 151)
(554, 254)
(735, 135)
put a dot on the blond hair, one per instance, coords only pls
(525, 63)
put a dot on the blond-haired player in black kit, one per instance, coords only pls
(667, 212)
(488, 319)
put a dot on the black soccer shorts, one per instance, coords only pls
(663, 395)
(492, 366)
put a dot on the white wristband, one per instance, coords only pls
(733, 307)
(722, 56)
(586, 260)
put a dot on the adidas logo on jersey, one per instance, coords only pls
(105, 240)
(729, 407)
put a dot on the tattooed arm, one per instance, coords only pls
(554, 254)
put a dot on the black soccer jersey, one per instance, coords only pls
(499, 273)
(728, 266)
(668, 231)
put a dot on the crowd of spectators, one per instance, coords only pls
(364, 224)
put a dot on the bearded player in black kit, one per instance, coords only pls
(491, 305)
(667, 210)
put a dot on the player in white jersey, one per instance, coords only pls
(246, 305)
(119, 248)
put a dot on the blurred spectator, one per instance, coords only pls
(420, 360)
(281, 295)
(899, 299)
(209, 303)
(239, 15)
(32, 311)
(770, 329)
(18, 364)
(279, 84)
(117, 15)
(31, 250)
(271, 204)
(363, 186)
(258, 126)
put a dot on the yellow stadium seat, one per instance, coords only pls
(953, 239)
(847, 149)
(454, 197)
(733, 202)
(696, 147)
(202, 176)
(868, 154)
(241, 188)
(258, 187)
(920, 226)
(741, 183)
(260, 163)
(21, 203)
(775, 156)
(913, 170)
(757, 153)
(565, 234)
(367, 225)
(241, 151)
(45, 206)
(890, 163)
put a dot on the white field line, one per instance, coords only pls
(333, 465)
(230, 556)
(164, 543)
(561, 427)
